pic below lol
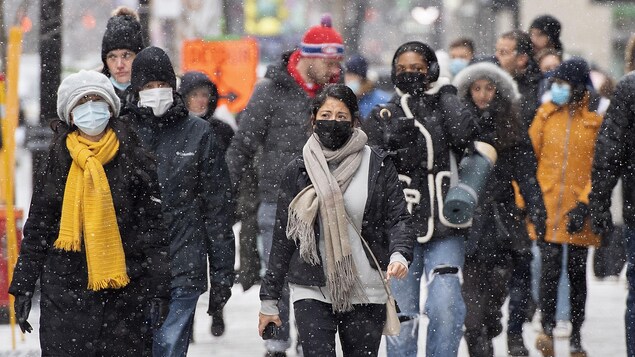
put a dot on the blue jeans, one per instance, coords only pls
(441, 259)
(173, 338)
(266, 222)
(629, 319)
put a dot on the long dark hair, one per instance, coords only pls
(340, 92)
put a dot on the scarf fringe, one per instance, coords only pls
(344, 284)
(116, 282)
(302, 232)
(69, 245)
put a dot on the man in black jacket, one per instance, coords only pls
(513, 53)
(275, 126)
(615, 158)
(196, 194)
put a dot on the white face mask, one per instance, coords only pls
(159, 99)
(91, 117)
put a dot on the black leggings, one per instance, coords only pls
(360, 329)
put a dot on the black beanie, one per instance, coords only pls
(151, 64)
(123, 32)
(357, 65)
(551, 27)
(574, 71)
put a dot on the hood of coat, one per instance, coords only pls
(505, 84)
(193, 80)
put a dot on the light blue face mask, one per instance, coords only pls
(354, 85)
(457, 65)
(91, 117)
(560, 93)
(120, 86)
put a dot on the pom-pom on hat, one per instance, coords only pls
(83, 83)
(123, 32)
(322, 41)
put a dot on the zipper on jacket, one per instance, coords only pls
(563, 172)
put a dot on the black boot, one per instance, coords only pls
(575, 345)
(218, 324)
(516, 346)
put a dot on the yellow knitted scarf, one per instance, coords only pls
(88, 212)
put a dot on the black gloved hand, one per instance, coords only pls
(400, 133)
(602, 222)
(576, 216)
(159, 309)
(22, 307)
(218, 296)
(539, 217)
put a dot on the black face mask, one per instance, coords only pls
(333, 134)
(413, 83)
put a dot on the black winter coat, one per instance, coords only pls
(197, 202)
(73, 317)
(614, 156)
(452, 129)
(528, 86)
(276, 121)
(385, 226)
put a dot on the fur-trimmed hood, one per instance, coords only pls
(505, 84)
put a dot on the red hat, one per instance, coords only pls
(322, 41)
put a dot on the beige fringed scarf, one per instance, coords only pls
(325, 196)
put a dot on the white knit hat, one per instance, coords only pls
(83, 83)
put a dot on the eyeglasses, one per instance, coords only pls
(126, 56)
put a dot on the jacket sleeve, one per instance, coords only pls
(251, 134)
(536, 133)
(524, 173)
(459, 122)
(398, 220)
(282, 249)
(610, 145)
(40, 229)
(218, 209)
(152, 231)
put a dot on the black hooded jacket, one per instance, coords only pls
(614, 156)
(196, 195)
(276, 121)
(452, 129)
(385, 226)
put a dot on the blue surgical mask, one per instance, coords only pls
(91, 117)
(354, 85)
(560, 93)
(457, 65)
(120, 86)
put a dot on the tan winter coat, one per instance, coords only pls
(564, 140)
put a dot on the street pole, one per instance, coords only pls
(3, 39)
(144, 19)
(50, 43)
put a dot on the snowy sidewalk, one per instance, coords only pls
(603, 331)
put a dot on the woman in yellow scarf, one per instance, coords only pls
(94, 236)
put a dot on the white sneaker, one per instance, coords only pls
(563, 329)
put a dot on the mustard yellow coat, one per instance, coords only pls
(564, 140)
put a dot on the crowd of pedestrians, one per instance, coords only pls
(341, 190)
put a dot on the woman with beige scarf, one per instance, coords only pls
(339, 188)
(94, 236)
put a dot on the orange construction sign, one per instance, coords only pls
(230, 64)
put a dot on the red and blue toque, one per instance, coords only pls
(322, 41)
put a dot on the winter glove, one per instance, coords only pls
(159, 309)
(538, 217)
(22, 307)
(602, 223)
(218, 296)
(400, 133)
(576, 216)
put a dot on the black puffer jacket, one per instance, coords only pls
(385, 226)
(452, 129)
(275, 120)
(614, 156)
(528, 86)
(196, 193)
(73, 317)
